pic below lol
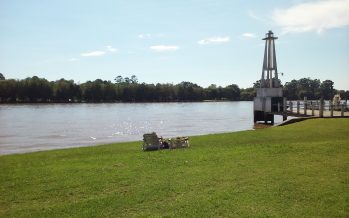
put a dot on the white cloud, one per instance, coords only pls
(93, 54)
(249, 35)
(110, 48)
(144, 36)
(164, 48)
(313, 16)
(214, 40)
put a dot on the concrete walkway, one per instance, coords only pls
(326, 113)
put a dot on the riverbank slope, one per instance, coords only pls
(298, 170)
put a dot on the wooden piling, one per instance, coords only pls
(321, 108)
(331, 108)
(312, 108)
(305, 105)
(284, 111)
(297, 107)
(342, 110)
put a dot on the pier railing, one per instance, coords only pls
(320, 108)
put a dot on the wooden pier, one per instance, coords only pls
(316, 108)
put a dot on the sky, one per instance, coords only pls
(169, 41)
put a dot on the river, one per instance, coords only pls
(34, 127)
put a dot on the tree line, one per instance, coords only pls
(128, 89)
(312, 89)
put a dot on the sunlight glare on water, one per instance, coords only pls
(33, 127)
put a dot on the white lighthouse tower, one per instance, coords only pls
(269, 100)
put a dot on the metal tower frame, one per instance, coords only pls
(269, 63)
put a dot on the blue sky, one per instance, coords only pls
(201, 41)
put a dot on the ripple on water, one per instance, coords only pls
(50, 126)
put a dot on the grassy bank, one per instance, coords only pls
(299, 170)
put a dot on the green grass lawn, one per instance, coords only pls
(299, 170)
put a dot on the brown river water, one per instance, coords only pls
(33, 127)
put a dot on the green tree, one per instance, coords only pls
(346, 95)
(327, 90)
(232, 92)
(164, 92)
(257, 84)
(119, 79)
(247, 94)
(66, 90)
(92, 91)
(109, 91)
(314, 89)
(134, 79)
(290, 90)
(2, 77)
(8, 90)
(35, 89)
(211, 92)
(187, 91)
(127, 80)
